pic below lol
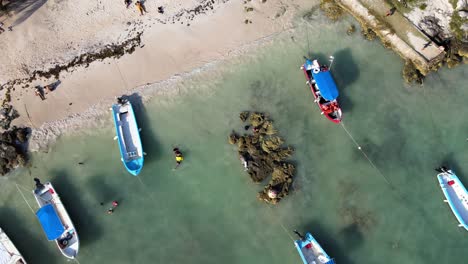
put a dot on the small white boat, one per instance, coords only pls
(8, 252)
(455, 194)
(55, 221)
(128, 135)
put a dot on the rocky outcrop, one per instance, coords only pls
(263, 155)
(13, 143)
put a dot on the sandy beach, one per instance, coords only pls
(188, 35)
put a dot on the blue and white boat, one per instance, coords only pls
(324, 89)
(311, 252)
(128, 135)
(55, 221)
(455, 194)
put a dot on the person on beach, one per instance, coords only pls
(1, 28)
(390, 12)
(140, 7)
(39, 93)
(178, 156)
(127, 3)
(427, 45)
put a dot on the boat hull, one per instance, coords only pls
(310, 251)
(456, 196)
(337, 115)
(128, 136)
(68, 241)
(9, 254)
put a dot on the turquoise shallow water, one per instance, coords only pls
(389, 210)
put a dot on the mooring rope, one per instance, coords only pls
(144, 187)
(365, 155)
(24, 198)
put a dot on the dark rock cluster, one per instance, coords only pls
(13, 149)
(263, 154)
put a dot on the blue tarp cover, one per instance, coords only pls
(50, 222)
(326, 85)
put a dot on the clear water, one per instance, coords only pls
(206, 211)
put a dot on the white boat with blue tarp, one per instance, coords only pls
(324, 89)
(54, 219)
(310, 250)
(128, 136)
(456, 195)
(9, 254)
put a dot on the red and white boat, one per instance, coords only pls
(323, 88)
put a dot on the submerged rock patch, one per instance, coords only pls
(263, 154)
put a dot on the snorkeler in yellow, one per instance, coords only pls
(178, 156)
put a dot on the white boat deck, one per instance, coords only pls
(314, 254)
(129, 132)
(44, 197)
(8, 252)
(457, 195)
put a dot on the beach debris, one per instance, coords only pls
(13, 148)
(160, 9)
(368, 33)
(262, 154)
(109, 51)
(332, 9)
(248, 9)
(351, 29)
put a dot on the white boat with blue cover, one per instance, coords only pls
(9, 254)
(55, 221)
(310, 250)
(455, 194)
(128, 136)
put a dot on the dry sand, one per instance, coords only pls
(60, 30)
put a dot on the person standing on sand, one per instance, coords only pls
(140, 7)
(39, 93)
(1, 28)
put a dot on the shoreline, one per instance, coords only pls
(168, 52)
(47, 133)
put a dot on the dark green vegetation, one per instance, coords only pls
(263, 154)
(456, 23)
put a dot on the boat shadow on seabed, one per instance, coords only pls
(86, 226)
(31, 245)
(345, 72)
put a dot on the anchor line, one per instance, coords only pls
(144, 186)
(365, 155)
(281, 224)
(24, 198)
